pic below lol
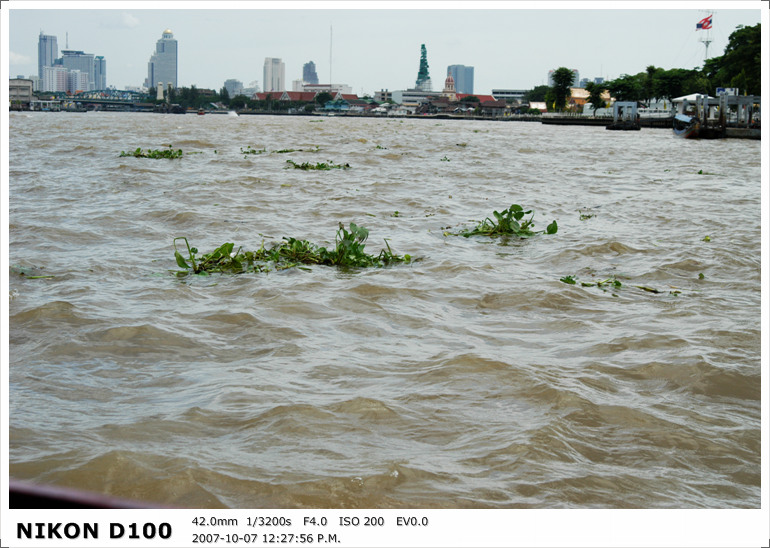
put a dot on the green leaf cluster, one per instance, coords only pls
(323, 166)
(348, 252)
(168, 153)
(562, 82)
(509, 222)
(611, 282)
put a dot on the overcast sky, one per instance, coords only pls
(509, 44)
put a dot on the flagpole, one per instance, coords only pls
(706, 24)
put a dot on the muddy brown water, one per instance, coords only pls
(471, 378)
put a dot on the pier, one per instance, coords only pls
(578, 119)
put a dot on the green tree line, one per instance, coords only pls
(739, 67)
(192, 98)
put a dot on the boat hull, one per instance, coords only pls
(690, 127)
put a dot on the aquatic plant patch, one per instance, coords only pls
(168, 153)
(509, 222)
(321, 166)
(250, 150)
(611, 284)
(291, 252)
(30, 273)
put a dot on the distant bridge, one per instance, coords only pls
(109, 99)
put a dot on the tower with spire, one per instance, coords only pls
(423, 78)
(449, 89)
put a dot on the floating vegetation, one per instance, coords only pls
(250, 150)
(585, 216)
(348, 252)
(169, 153)
(707, 238)
(612, 283)
(30, 273)
(509, 221)
(445, 159)
(287, 150)
(602, 284)
(322, 166)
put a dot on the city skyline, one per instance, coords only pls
(375, 49)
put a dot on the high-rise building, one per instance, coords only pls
(163, 63)
(77, 60)
(100, 72)
(47, 52)
(309, 75)
(273, 76)
(234, 87)
(77, 81)
(463, 77)
(55, 79)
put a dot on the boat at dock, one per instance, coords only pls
(691, 127)
(703, 117)
(686, 126)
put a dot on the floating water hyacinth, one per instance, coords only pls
(509, 221)
(348, 252)
(168, 153)
(323, 166)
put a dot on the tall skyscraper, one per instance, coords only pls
(84, 62)
(163, 63)
(100, 72)
(47, 52)
(463, 77)
(273, 75)
(309, 75)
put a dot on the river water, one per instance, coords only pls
(473, 377)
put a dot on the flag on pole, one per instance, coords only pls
(704, 24)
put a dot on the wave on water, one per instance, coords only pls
(614, 364)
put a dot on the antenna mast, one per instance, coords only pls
(330, 57)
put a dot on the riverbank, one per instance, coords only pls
(659, 122)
